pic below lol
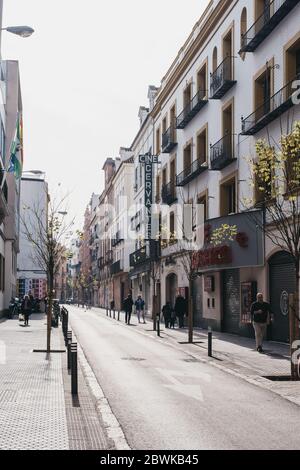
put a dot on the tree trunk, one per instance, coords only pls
(190, 312)
(49, 314)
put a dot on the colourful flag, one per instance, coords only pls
(16, 151)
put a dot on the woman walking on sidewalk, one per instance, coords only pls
(26, 309)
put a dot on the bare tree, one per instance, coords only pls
(188, 222)
(46, 229)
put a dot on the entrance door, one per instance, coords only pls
(282, 283)
(231, 301)
(171, 288)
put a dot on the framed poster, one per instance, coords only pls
(248, 294)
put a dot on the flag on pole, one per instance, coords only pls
(16, 151)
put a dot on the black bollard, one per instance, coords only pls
(118, 315)
(69, 342)
(158, 324)
(74, 371)
(209, 345)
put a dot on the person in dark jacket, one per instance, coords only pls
(26, 309)
(127, 305)
(180, 310)
(140, 308)
(260, 315)
(167, 312)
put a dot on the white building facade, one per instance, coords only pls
(228, 87)
(34, 199)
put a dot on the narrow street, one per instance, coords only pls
(165, 399)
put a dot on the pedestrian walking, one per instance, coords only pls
(167, 312)
(260, 316)
(173, 318)
(180, 309)
(140, 308)
(26, 309)
(127, 305)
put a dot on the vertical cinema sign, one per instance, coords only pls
(148, 160)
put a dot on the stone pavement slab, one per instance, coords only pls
(32, 407)
(37, 410)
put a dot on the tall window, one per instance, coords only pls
(215, 59)
(202, 81)
(187, 159)
(243, 25)
(202, 146)
(158, 141)
(228, 197)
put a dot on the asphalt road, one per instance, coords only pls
(163, 399)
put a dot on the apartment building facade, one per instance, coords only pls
(31, 275)
(229, 86)
(122, 242)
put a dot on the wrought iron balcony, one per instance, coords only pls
(117, 239)
(222, 153)
(151, 251)
(169, 140)
(191, 172)
(222, 79)
(191, 109)
(168, 193)
(270, 109)
(274, 12)
(116, 267)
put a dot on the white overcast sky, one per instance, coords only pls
(84, 74)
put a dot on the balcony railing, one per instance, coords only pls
(274, 12)
(222, 153)
(116, 267)
(270, 109)
(168, 193)
(191, 109)
(117, 239)
(169, 140)
(222, 79)
(151, 251)
(191, 172)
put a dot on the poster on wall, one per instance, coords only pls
(248, 293)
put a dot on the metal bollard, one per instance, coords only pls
(69, 349)
(209, 345)
(158, 324)
(74, 371)
(114, 314)
(118, 315)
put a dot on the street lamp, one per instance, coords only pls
(23, 31)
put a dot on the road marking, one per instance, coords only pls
(112, 425)
(190, 390)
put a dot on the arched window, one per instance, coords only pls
(243, 25)
(215, 59)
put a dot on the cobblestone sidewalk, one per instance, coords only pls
(37, 411)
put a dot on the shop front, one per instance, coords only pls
(228, 274)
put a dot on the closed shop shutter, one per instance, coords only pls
(231, 301)
(282, 283)
(197, 301)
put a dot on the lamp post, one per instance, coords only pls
(22, 31)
